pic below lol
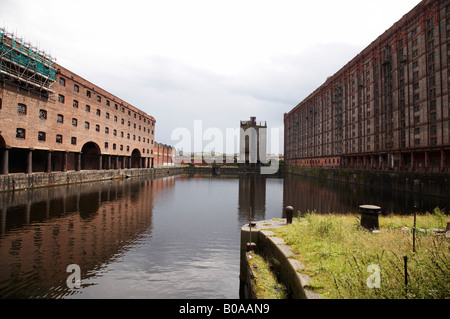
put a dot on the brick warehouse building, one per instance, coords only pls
(388, 108)
(54, 120)
(163, 155)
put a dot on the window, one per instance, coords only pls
(97, 128)
(88, 93)
(61, 98)
(21, 108)
(73, 140)
(417, 141)
(87, 108)
(98, 112)
(107, 115)
(75, 104)
(86, 125)
(60, 118)
(41, 136)
(128, 135)
(122, 121)
(115, 118)
(107, 130)
(20, 133)
(106, 144)
(107, 102)
(128, 148)
(129, 123)
(0, 104)
(121, 147)
(417, 131)
(114, 146)
(115, 132)
(43, 114)
(76, 88)
(59, 138)
(99, 98)
(74, 122)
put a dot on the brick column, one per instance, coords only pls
(48, 167)
(100, 162)
(29, 168)
(64, 162)
(78, 162)
(5, 162)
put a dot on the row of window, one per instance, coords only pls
(22, 109)
(107, 116)
(76, 88)
(42, 136)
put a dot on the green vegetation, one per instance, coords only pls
(265, 283)
(337, 253)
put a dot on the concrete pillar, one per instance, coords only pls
(5, 161)
(29, 168)
(100, 162)
(117, 162)
(129, 162)
(109, 161)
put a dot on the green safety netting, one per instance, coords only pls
(25, 57)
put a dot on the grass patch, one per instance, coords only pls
(265, 283)
(337, 254)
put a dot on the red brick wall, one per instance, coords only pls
(391, 98)
(136, 132)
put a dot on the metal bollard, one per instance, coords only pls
(369, 216)
(289, 210)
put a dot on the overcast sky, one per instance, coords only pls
(215, 61)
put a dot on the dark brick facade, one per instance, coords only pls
(388, 108)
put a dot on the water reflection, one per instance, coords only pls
(252, 198)
(327, 196)
(45, 230)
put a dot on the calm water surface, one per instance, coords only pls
(173, 237)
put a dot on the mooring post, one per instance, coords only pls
(414, 229)
(289, 210)
(369, 216)
(405, 258)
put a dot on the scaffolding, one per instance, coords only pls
(24, 65)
